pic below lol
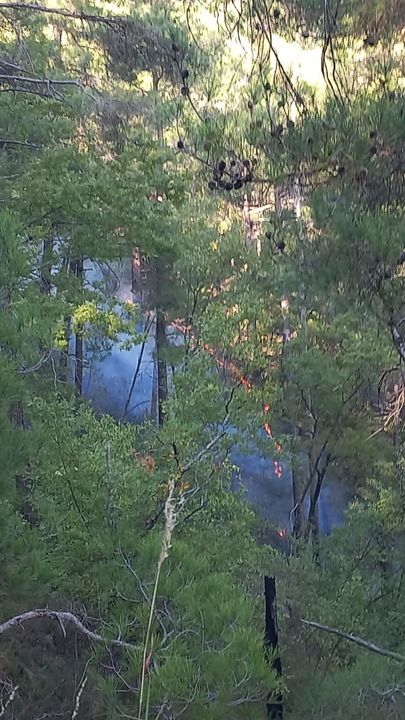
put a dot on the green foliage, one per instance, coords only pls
(113, 129)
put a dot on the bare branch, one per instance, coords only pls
(204, 451)
(39, 93)
(48, 82)
(61, 617)
(78, 696)
(44, 359)
(397, 338)
(355, 639)
(34, 7)
(16, 78)
(182, 469)
(17, 142)
(193, 512)
(9, 700)
(147, 326)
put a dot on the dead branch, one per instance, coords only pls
(9, 700)
(148, 324)
(34, 7)
(61, 617)
(397, 338)
(355, 639)
(44, 359)
(78, 697)
(3, 143)
(48, 82)
(204, 451)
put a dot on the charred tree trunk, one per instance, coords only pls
(274, 701)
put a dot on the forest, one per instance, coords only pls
(202, 359)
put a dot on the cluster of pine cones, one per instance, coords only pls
(231, 176)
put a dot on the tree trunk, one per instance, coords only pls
(79, 364)
(161, 364)
(319, 476)
(23, 482)
(63, 357)
(296, 513)
(160, 317)
(274, 702)
(247, 222)
(312, 530)
(77, 269)
(136, 270)
(46, 265)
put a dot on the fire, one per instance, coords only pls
(267, 429)
(147, 462)
(235, 372)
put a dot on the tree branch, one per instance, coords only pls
(44, 359)
(355, 639)
(146, 329)
(38, 80)
(398, 341)
(17, 142)
(61, 617)
(34, 7)
(78, 697)
(9, 700)
(204, 451)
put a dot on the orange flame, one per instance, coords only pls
(235, 372)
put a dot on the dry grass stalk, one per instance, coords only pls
(78, 697)
(170, 523)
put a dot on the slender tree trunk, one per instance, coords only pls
(162, 388)
(23, 482)
(136, 270)
(63, 358)
(247, 222)
(312, 529)
(312, 520)
(274, 701)
(296, 513)
(146, 329)
(79, 363)
(17, 417)
(46, 265)
(77, 269)
(64, 353)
